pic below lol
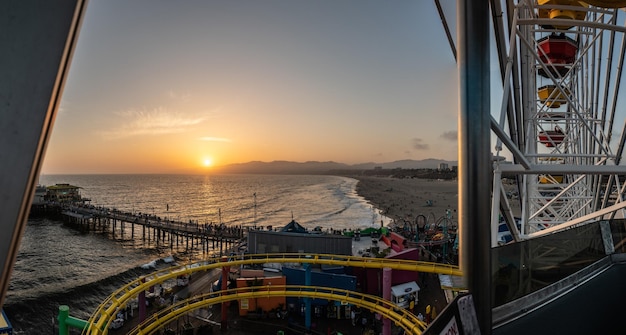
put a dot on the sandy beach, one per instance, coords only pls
(405, 199)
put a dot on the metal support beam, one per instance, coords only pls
(37, 39)
(474, 155)
(515, 169)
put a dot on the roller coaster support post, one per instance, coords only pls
(225, 271)
(307, 301)
(387, 296)
(141, 301)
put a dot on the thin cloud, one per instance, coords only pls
(418, 144)
(450, 135)
(214, 139)
(184, 97)
(158, 121)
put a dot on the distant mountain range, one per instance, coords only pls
(314, 167)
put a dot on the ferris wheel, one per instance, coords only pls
(561, 116)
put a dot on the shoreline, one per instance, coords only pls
(406, 199)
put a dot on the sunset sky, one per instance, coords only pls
(168, 86)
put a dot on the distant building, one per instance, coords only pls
(443, 167)
(64, 193)
(378, 168)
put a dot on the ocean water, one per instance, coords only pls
(59, 265)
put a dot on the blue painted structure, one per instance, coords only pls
(296, 276)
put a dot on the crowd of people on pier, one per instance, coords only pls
(151, 220)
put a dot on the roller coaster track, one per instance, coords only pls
(105, 313)
(401, 317)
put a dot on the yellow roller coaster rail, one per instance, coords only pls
(106, 312)
(401, 317)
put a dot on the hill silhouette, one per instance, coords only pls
(315, 167)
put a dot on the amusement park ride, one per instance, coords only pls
(560, 110)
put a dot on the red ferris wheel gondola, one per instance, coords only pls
(551, 138)
(558, 52)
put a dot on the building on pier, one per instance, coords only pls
(39, 204)
(295, 238)
(65, 193)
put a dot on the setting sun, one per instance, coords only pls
(207, 162)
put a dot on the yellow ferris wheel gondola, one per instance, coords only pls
(551, 96)
(551, 179)
(554, 13)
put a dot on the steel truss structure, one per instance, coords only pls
(559, 117)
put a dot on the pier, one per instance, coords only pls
(152, 229)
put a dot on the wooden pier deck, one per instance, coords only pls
(152, 229)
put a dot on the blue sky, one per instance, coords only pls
(163, 86)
